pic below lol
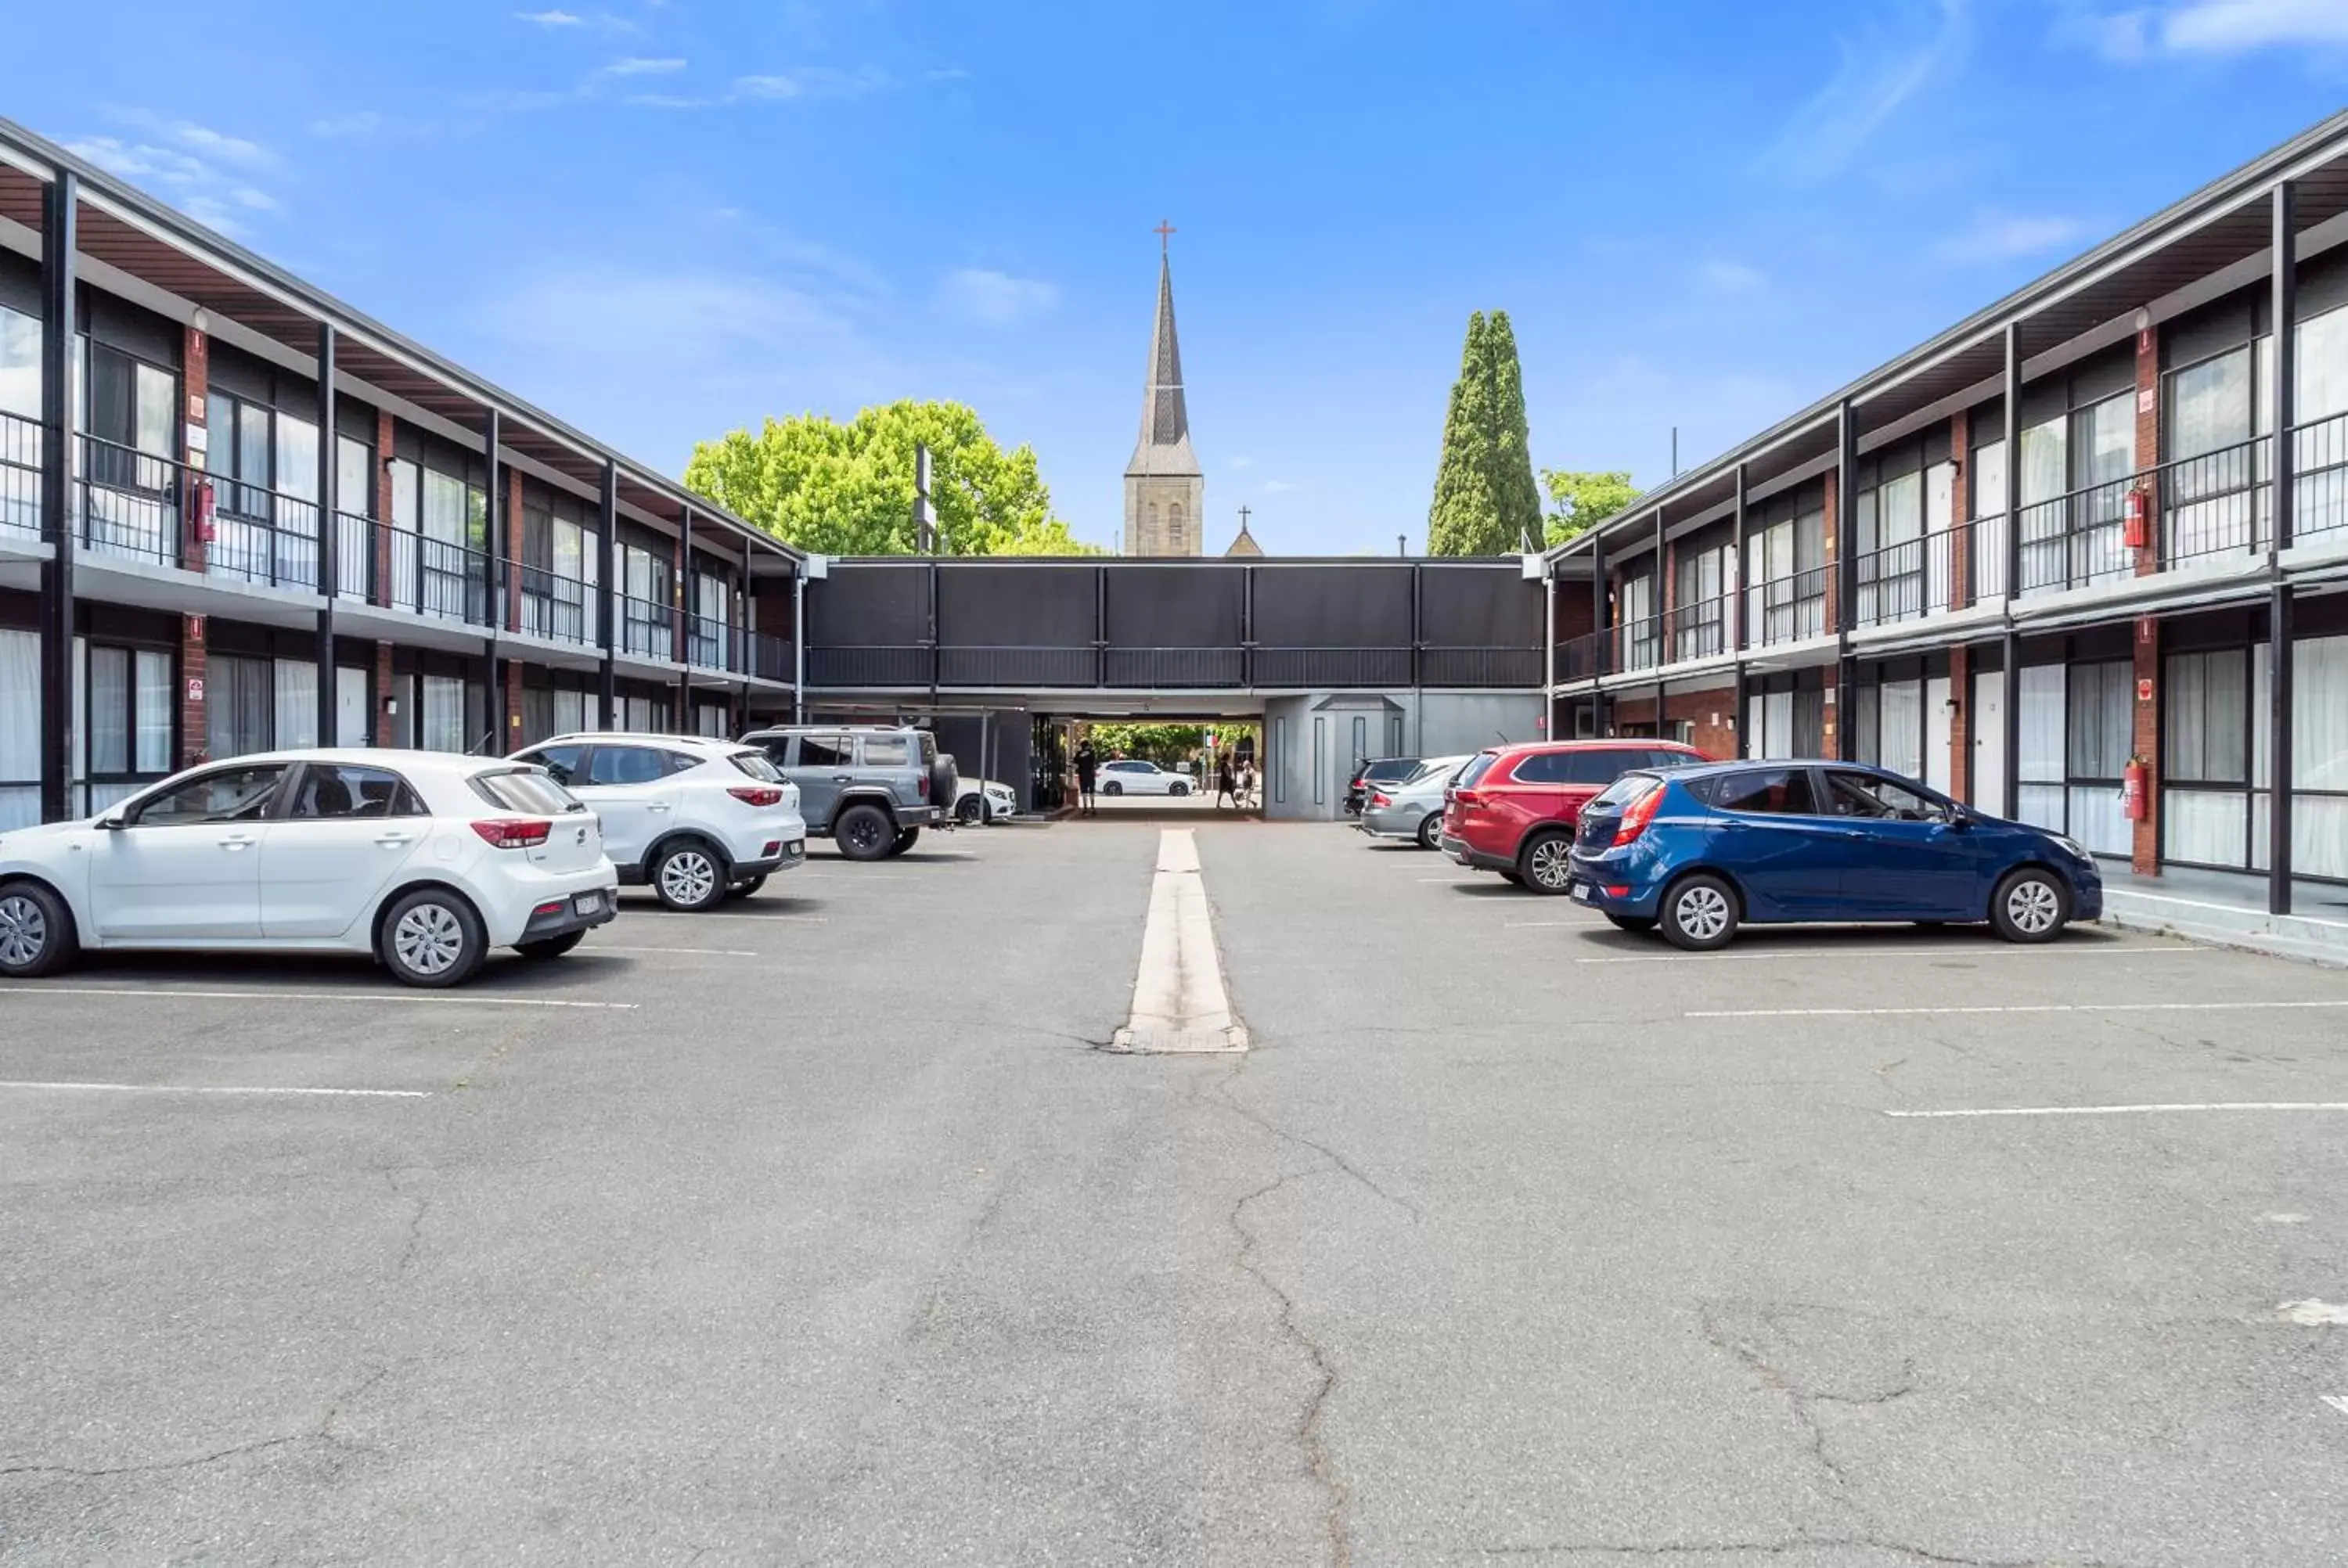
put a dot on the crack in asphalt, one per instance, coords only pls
(1771, 1548)
(320, 1432)
(1803, 1400)
(1308, 1424)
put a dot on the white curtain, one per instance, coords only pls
(1777, 712)
(108, 704)
(154, 720)
(2205, 826)
(20, 729)
(2097, 821)
(570, 713)
(443, 727)
(297, 703)
(2319, 757)
(1899, 744)
(2043, 730)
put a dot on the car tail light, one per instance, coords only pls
(552, 906)
(756, 794)
(514, 833)
(1638, 814)
(1380, 797)
(925, 787)
(1467, 797)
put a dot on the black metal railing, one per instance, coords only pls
(354, 556)
(709, 643)
(551, 604)
(1323, 667)
(2077, 540)
(1479, 666)
(647, 627)
(768, 656)
(1178, 669)
(1638, 644)
(131, 501)
(2213, 504)
(1698, 628)
(972, 666)
(2320, 459)
(20, 475)
(1581, 658)
(263, 537)
(443, 578)
(899, 664)
(1788, 609)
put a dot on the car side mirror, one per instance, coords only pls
(1960, 819)
(109, 824)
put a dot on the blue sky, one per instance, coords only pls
(664, 219)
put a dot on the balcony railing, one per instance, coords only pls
(1698, 628)
(647, 627)
(263, 535)
(1323, 666)
(972, 666)
(2320, 459)
(551, 604)
(1638, 644)
(894, 664)
(768, 656)
(1179, 669)
(709, 643)
(1581, 658)
(131, 501)
(20, 475)
(1789, 608)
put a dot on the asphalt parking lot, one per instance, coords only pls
(819, 1231)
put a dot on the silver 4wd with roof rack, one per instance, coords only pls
(868, 788)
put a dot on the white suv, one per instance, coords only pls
(699, 820)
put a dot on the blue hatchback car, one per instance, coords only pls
(1698, 851)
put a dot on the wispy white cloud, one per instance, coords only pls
(1994, 236)
(994, 299)
(1723, 276)
(194, 181)
(1242, 462)
(813, 82)
(2130, 33)
(1280, 488)
(550, 18)
(369, 125)
(638, 65)
(1877, 72)
(227, 149)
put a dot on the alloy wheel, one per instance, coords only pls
(1701, 912)
(429, 939)
(864, 832)
(23, 931)
(2032, 906)
(686, 876)
(1550, 862)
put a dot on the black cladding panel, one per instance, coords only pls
(1333, 606)
(1478, 606)
(1016, 605)
(882, 605)
(1176, 606)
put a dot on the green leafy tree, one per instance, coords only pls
(1580, 501)
(1486, 502)
(848, 489)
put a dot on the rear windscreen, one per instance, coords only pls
(1625, 790)
(526, 790)
(1477, 769)
(756, 764)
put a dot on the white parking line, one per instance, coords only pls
(461, 1000)
(2129, 1109)
(190, 1088)
(2031, 1007)
(688, 952)
(683, 915)
(1179, 1005)
(1983, 951)
(2337, 1401)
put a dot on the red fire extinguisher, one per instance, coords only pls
(199, 509)
(2137, 529)
(2134, 783)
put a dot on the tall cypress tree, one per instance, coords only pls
(1485, 499)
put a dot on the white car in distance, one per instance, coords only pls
(1131, 775)
(425, 859)
(979, 801)
(698, 820)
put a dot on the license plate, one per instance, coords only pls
(587, 904)
(1581, 892)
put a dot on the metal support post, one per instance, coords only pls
(329, 539)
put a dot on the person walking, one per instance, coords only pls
(1224, 788)
(1087, 765)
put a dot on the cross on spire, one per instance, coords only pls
(1243, 518)
(1163, 229)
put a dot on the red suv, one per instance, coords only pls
(1513, 809)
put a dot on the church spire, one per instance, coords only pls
(1164, 445)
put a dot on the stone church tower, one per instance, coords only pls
(1165, 493)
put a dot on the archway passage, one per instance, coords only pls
(1176, 768)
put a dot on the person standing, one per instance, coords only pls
(1224, 788)
(1087, 765)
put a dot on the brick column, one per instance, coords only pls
(1961, 744)
(195, 375)
(383, 432)
(2144, 856)
(384, 722)
(513, 707)
(2148, 443)
(192, 728)
(1831, 726)
(1960, 513)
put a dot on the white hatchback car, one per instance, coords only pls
(1127, 776)
(426, 859)
(700, 820)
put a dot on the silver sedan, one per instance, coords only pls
(1412, 809)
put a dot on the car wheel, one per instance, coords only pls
(1699, 914)
(1178, 789)
(1430, 828)
(689, 877)
(1112, 787)
(1547, 863)
(2031, 906)
(37, 934)
(1633, 922)
(550, 946)
(864, 832)
(970, 811)
(906, 838)
(747, 886)
(432, 938)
